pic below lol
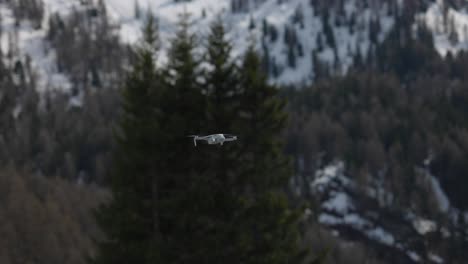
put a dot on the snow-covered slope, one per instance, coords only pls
(296, 36)
(354, 213)
(449, 26)
(279, 16)
(32, 46)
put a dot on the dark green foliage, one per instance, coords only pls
(176, 203)
(267, 224)
(248, 175)
(128, 221)
(182, 76)
(182, 186)
(221, 208)
(222, 82)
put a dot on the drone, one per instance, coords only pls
(214, 138)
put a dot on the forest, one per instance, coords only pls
(114, 179)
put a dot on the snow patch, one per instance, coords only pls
(340, 203)
(339, 209)
(414, 256)
(324, 177)
(424, 226)
(442, 199)
(17, 111)
(76, 101)
(381, 235)
(356, 221)
(329, 219)
(449, 27)
(32, 46)
(353, 220)
(435, 258)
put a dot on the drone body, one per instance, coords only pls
(214, 138)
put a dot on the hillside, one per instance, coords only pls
(295, 36)
(375, 94)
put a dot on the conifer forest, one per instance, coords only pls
(350, 120)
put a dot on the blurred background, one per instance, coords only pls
(375, 92)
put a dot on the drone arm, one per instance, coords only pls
(195, 138)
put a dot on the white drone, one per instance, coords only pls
(214, 139)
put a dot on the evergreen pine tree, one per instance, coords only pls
(267, 226)
(129, 221)
(264, 28)
(251, 23)
(222, 92)
(174, 203)
(222, 81)
(291, 56)
(182, 76)
(266, 60)
(185, 194)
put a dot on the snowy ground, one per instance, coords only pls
(456, 21)
(122, 13)
(32, 43)
(338, 208)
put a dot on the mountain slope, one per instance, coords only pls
(300, 39)
(355, 214)
(24, 42)
(291, 32)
